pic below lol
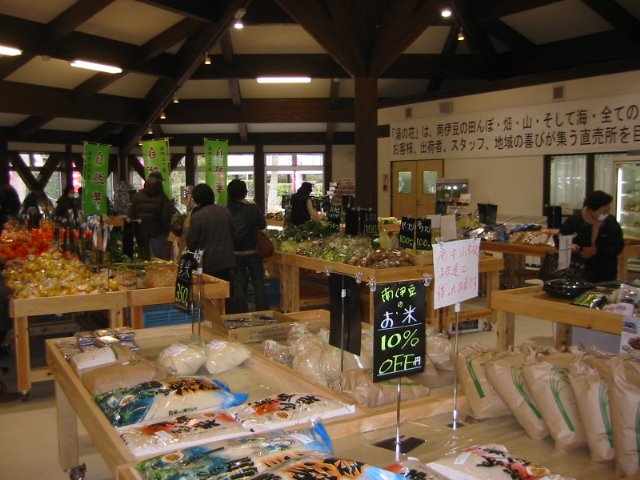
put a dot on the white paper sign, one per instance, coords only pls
(455, 271)
(564, 251)
(448, 228)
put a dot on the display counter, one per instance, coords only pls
(534, 302)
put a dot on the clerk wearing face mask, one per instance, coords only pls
(597, 238)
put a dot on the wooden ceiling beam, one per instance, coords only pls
(508, 36)
(73, 17)
(22, 169)
(167, 39)
(204, 11)
(476, 37)
(29, 125)
(448, 51)
(8, 65)
(98, 134)
(491, 9)
(617, 16)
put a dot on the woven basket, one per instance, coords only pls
(160, 275)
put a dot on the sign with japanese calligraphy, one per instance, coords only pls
(333, 218)
(455, 269)
(399, 329)
(184, 280)
(156, 159)
(607, 124)
(94, 179)
(370, 223)
(407, 234)
(423, 234)
(215, 164)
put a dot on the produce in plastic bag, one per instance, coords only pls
(223, 355)
(237, 459)
(182, 359)
(286, 409)
(121, 375)
(328, 468)
(181, 432)
(306, 343)
(359, 385)
(440, 350)
(307, 363)
(489, 462)
(162, 399)
(278, 352)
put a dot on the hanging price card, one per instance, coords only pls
(423, 234)
(371, 224)
(399, 330)
(183, 280)
(406, 238)
(333, 218)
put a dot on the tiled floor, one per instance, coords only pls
(28, 429)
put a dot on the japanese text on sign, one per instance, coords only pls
(589, 125)
(399, 329)
(455, 271)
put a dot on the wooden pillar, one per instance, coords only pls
(259, 192)
(327, 166)
(190, 166)
(4, 161)
(366, 116)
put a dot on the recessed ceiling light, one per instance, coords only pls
(163, 116)
(446, 13)
(238, 25)
(460, 35)
(283, 79)
(99, 67)
(9, 51)
(207, 59)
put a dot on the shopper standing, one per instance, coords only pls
(65, 203)
(247, 218)
(9, 204)
(154, 209)
(36, 205)
(301, 205)
(211, 230)
(597, 238)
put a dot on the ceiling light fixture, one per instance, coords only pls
(446, 12)
(207, 59)
(163, 116)
(176, 99)
(283, 79)
(237, 24)
(99, 67)
(150, 131)
(9, 51)
(460, 35)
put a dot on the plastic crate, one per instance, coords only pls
(163, 315)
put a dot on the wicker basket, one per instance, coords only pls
(126, 278)
(160, 275)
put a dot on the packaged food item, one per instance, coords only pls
(166, 398)
(223, 355)
(99, 356)
(489, 462)
(237, 459)
(121, 375)
(182, 359)
(327, 467)
(287, 409)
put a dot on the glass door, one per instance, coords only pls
(627, 196)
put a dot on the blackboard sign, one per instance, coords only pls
(334, 215)
(344, 327)
(183, 280)
(352, 222)
(398, 330)
(406, 238)
(423, 234)
(370, 224)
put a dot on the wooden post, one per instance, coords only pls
(366, 116)
(4, 161)
(190, 166)
(259, 196)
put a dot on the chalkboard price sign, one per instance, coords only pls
(183, 280)
(407, 232)
(371, 224)
(423, 234)
(333, 218)
(399, 330)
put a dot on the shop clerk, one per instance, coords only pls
(597, 238)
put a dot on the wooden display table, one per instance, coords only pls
(212, 288)
(534, 302)
(288, 267)
(21, 309)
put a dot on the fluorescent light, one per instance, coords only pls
(283, 79)
(9, 51)
(446, 12)
(99, 67)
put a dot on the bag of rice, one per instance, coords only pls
(287, 409)
(182, 359)
(239, 458)
(505, 375)
(223, 355)
(163, 399)
(121, 375)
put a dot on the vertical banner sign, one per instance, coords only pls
(371, 224)
(183, 280)
(455, 271)
(398, 330)
(156, 159)
(95, 175)
(333, 218)
(215, 162)
(406, 238)
(423, 234)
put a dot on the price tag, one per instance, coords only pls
(399, 330)
(333, 218)
(407, 233)
(183, 280)
(423, 234)
(370, 224)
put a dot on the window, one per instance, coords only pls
(285, 172)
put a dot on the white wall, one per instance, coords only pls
(513, 183)
(344, 162)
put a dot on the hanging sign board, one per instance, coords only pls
(370, 224)
(184, 280)
(399, 329)
(333, 218)
(455, 271)
(216, 168)
(156, 159)
(423, 234)
(95, 176)
(406, 236)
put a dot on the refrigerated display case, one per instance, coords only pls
(450, 196)
(627, 195)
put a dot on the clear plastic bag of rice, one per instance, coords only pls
(182, 358)
(223, 355)
(278, 352)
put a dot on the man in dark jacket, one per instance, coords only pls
(247, 218)
(152, 206)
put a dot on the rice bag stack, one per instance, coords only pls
(505, 375)
(166, 398)
(238, 458)
(548, 382)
